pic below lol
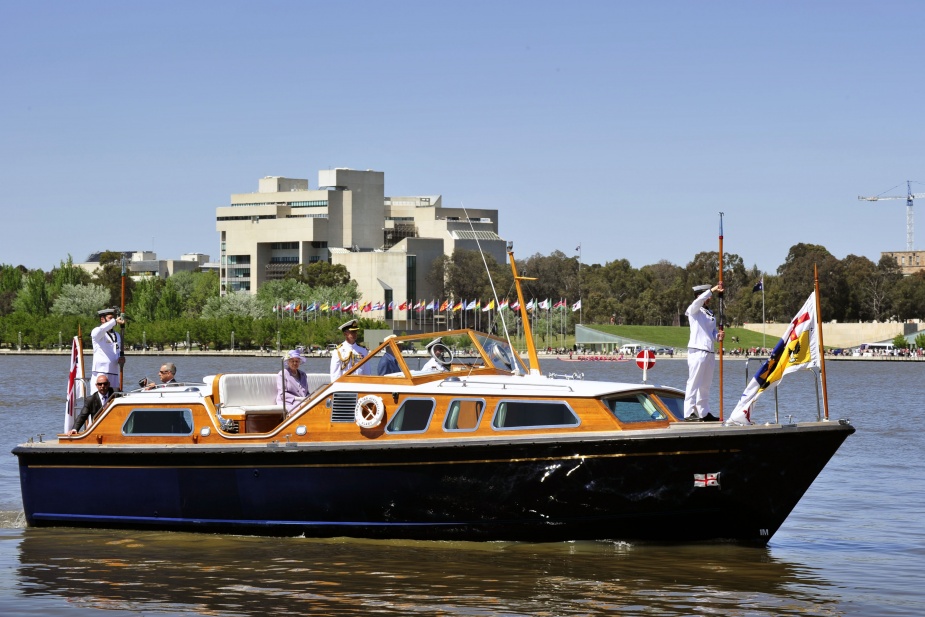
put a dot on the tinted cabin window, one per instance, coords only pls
(159, 422)
(533, 414)
(635, 408)
(674, 403)
(412, 417)
(463, 415)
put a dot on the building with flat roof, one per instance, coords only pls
(142, 264)
(386, 243)
(909, 262)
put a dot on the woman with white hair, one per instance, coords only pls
(293, 382)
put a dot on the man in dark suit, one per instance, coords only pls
(94, 402)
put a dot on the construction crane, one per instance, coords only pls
(910, 224)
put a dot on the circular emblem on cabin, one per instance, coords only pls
(369, 411)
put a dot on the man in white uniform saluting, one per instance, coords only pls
(701, 360)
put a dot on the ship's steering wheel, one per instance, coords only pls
(442, 354)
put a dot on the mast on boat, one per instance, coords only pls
(528, 334)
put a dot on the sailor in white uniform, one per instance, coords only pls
(348, 353)
(701, 360)
(107, 346)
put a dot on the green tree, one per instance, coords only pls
(796, 281)
(80, 300)
(11, 278)
(109, 275)
(145, 297)
(908, 296)
(193, 290)
(320, 274)
(169, 306)
(33, 298)
(900, 342)
(67, 274)
(232, 305)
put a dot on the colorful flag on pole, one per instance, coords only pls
(75, 385)
(759, 286)
(445, 305)
(458, 306)
(576, 306)
(489, 306)
(504, 304)
(798, 349)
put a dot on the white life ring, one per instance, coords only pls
(369, 411)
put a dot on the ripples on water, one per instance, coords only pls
(850, 547)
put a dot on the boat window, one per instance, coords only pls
(533, 414)
(412, 417)
(158, 422)
(635, 408)
(464, 415)
(674, 402)
(500, 354)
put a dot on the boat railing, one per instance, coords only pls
(576, 376)
(817, 380)
(452, 381)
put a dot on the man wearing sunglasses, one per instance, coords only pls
(94, 403)
(166, 375)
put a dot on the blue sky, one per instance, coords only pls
(625, 127)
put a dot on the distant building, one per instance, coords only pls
(386, 243)
(142, 264)
(909, 262)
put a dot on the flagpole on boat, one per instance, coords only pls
(825, 392)
(122, 327)
(722, 325)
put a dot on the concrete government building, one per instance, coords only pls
(386, 243)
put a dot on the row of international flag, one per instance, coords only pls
(422, 306)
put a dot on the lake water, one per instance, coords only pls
(855, 545)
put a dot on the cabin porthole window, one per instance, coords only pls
(158, 421)
(515, 414)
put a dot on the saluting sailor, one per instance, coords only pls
(701, 360)
(107, 346)
(348, 353)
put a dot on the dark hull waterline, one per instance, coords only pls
(631, 486)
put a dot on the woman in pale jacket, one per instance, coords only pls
(293, 382)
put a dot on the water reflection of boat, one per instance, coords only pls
(485, 448)
(152, 572)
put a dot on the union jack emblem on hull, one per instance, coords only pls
(702, 480)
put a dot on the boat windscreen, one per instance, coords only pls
(500, 354)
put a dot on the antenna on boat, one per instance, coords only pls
(491, 282)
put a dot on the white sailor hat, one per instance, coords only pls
(439, 339)
(353, 324)
(106, 311)
(701, 288)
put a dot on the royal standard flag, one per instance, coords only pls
(798, 349)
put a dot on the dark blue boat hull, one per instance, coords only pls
(632, 487)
